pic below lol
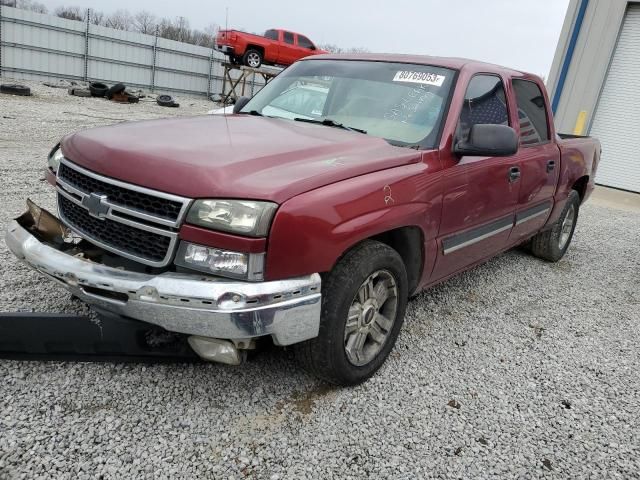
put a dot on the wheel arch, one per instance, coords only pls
(253, 46)
(408, 241)
(580, 186)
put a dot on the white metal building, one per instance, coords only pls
(595, 84)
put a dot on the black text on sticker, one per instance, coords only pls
(419, 77)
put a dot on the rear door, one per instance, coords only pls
(272, 51)
(288, 49)
(539, 158)
(480, 193)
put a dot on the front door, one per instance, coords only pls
(480, 193)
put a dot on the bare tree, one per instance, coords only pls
(145, 22)
(212, 29)
(120, 20)
(70, 13)
(97, 18)
(183, 31)
(330, 47)
(27, 5)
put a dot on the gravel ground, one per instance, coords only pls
(518, 368)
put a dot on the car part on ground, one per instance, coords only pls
(166, 101)
(124, 97)
(15, 89)
(98, 89)
(117, 88)
(79, 92)
(100, 337)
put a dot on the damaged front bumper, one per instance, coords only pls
(193, 304)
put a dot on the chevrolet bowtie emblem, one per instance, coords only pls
(96, 205)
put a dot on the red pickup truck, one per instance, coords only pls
(276, 47)
(313, 213)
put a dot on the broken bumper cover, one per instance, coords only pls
(288, 310)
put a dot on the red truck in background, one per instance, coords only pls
(313, 213)
(276, 47)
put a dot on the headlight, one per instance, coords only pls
(243, 217)
(55, 157)
(247, 266)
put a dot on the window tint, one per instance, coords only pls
(484, 102)
(532, 113)
(304, 42)
(272, 34)
(288, 37)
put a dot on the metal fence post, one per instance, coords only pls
(86, 46)
(153, 65)
(0, 39)
(209, 77)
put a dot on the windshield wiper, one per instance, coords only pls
(330, 123)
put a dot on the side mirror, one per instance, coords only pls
(487, 140)
(240, 103)
(312, 47)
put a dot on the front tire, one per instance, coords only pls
(552, 244)
(364, 299)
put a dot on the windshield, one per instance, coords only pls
(402, 103)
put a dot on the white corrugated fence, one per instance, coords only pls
(36, 46)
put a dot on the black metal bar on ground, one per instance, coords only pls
(109, 338)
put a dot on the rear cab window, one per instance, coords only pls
(484, 103)
(288, 38)
(271, 34)
(532, 113)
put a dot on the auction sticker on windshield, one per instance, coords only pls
(419, 77)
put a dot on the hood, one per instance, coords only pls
(236, 156)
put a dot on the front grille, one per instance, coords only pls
(158, 207)
(115, 235)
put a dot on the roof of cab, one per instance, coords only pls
(446, 62)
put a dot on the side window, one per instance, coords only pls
(484, 102)
(532, 113)
(288, 37)
(304, 42)
(271, 34)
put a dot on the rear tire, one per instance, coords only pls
(552, 244)
(364, 299)
(252, 58)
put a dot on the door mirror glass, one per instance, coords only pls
(240, 103)
(488, 140)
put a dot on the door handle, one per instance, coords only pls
(514, 174)
(551, 164)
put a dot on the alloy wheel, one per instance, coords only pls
(371, 317)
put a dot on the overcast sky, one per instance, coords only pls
(515, 33)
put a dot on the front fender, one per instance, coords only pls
(311, 231)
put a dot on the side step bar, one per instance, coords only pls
(110, 338)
